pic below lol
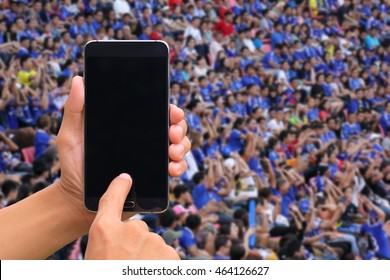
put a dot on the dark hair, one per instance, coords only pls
(24, 58)
(23, 192)
(193, 221)
(61, 80)
(225, 228)
(26, 179)
(201, 78)
(198, 177)
(43, 121)
(9, 186)
(40, 165)
(239, 121)
(39, 186)
(53, 16)
(283, 135)
(280, 182)
(272, 143)
(289, 245)
(167, 218)
(240, 214)
(220, 241)
(265, 193)
(237, 252)
(193, 104)
(179, 190)
(78, 16)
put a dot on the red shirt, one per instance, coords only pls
(172, 3)
(225, 28)
(155, 36)
(223, 10)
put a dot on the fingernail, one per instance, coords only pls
(181, 130)
(181, 150)
(178, 169)
(125, 176)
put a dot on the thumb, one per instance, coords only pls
(111, 203)
(74, 106)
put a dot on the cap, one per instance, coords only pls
(304, 206)
(229, 163)
(227, 150)
(165, 8)
(170, 235)
(179, 209)
(374, 136)
(373, 214)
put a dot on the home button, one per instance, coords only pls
(129, 204)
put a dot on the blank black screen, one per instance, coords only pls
(126, 124)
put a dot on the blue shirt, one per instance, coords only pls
(354, 83)
(202, 196)
(328, 136)
(385, 122)
(41, 142)
(205, 94)
(221, 258)
(287, 199)
(313, 114)
(246, 80)
(357, 105)
(379, 238)
(235, 141)
(320, 183)
(199, 157)
(338, 65)
(371, 42)
(273, 156)
(236, 85)
(255, 166)
(194, 122)
(271, 57)
(253, 102)
(299, 54)
(74, 30)
(276, 38)
(10, 115)
(144, 37)
(239, 109)
(348, 130)
(245, 62)
(187, 240)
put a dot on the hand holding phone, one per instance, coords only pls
(70, 142)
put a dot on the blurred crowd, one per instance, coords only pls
(287, 103)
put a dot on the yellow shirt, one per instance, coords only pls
(25, 76)
(314, 7)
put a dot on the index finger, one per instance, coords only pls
(111, 203)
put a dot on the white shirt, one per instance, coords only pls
(282, 75)
(194, 32)
(249, 44)
(192, 168)
(200, 71)
(199, 13)
(215, 47)
(275, 125)
(121, 7)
